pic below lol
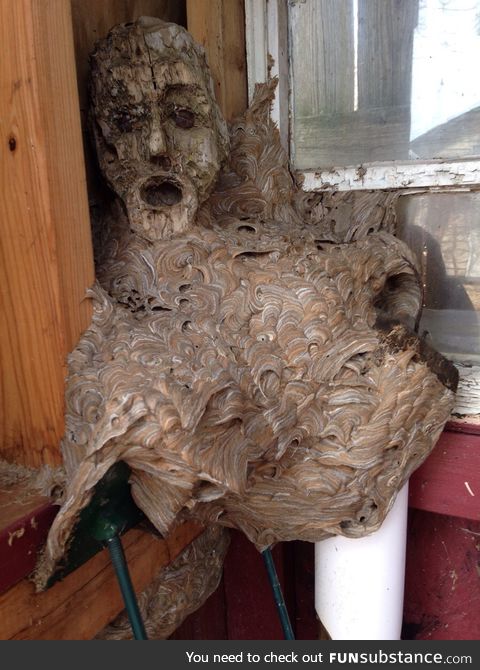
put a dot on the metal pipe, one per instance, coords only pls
(121, 570)
(278, 595)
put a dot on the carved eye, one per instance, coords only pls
(124, 121)
(183, 118)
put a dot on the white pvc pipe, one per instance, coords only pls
(359, 583)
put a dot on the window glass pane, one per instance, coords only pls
(381, 80)
(444, 231)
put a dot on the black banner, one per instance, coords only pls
(203, 655)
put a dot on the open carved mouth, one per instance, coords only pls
(159, 192)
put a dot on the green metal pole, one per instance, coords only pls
(108, 518)
(117, 555)
(278, 595)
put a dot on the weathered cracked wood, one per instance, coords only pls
(92, 20)
(397, 175)
(45, 245)
(351, 80)
(468, 394)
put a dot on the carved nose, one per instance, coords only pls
(163, 162)
(158, 149)
(157, 144)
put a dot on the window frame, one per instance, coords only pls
(267, 40)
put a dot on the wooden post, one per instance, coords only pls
(219, 26)
(45, 247)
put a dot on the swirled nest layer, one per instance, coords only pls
(178, 590)
(254, 371)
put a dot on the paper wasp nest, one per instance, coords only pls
(251, 368)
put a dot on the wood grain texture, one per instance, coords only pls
(45, 243)
(385, 46)
(180, 589)
(322, 57)
(219, 26)
(89, 598)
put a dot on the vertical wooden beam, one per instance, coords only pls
(219, 26)
(45, 248)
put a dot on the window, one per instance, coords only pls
(380, 94)
(382, 81)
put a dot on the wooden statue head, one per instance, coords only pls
(159, 134)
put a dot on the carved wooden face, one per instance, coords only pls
(160, 137)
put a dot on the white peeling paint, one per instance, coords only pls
(408, 174)
(467, 401)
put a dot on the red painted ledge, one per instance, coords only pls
(24, 524)
(449, 480)
(466, 425)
